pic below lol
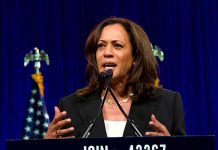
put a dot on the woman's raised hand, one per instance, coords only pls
(55, 127)
(160, 129)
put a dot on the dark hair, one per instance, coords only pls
(143, 73)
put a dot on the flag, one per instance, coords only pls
(36, 119)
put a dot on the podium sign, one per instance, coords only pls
(125, 143)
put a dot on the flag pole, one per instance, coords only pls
(36, 119)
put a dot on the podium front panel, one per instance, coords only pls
(130, 143)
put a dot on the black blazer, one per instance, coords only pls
(167, 107)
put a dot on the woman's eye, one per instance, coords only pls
(100, 45)
(118, 46)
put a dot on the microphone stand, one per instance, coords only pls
(131, 122)
(92, 122)
(107, 76)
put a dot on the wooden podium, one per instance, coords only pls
(125, 143)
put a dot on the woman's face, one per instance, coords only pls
(114, 51)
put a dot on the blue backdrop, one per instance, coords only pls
(186, 30)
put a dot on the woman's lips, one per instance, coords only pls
(109, 65)
(107, 68)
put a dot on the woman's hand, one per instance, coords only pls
(54, 128)
(160, 129)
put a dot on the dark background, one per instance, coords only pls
(186, 30)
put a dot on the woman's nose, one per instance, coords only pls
(108, 52)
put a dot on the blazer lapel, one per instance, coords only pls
(140, 113)
(88, 110)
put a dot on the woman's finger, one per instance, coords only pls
(62, 123)
(58, 115)
(151, 134)
(67, 137)
(158, 127)
(65, 131)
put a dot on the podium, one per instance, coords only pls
(124, 143)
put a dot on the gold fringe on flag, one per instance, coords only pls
(38, 78)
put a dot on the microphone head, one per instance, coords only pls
(109, 73)
(102, 76)
(106, 75)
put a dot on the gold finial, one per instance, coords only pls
(37, 57)
(157, 52)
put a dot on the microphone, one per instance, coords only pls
(106, 75)
(131, 122)
(103, 76)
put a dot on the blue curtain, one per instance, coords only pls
(185, 30)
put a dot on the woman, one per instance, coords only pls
(122, 46)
